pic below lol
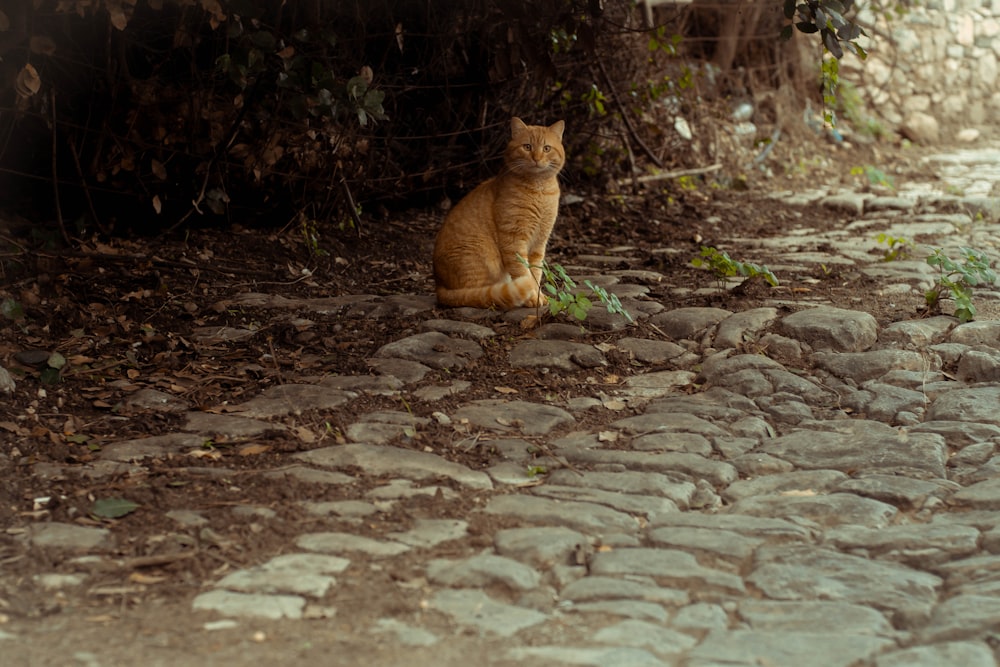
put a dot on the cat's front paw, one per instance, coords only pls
(535, 300)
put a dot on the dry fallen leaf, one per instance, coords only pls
(304, 434)
(212, 454)
(505, 390)
(252, 450)
(28, 82)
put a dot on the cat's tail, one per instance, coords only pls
(509, 294)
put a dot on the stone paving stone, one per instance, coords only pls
(959, 434)
(657, 384)
(404, 370)
(871, 365)
(651, 351)
(724, 545)
(407, 635)
(381, 427)
(840, 618)
(878, 450)
(668, 422)
(427, 533)
(631, 609)
(596, 587)
(980, 568)
(231, 426)
(700, 617)
(887, 403)
(476, 610)
(717, 473)
(974, 404)
(481, 571)
(542, 547)
(716, 405)
(302, 473)
(285, 399)
(751, 648)
(468, 329)
(587, 657)
(804, 572)
(983, 332)
(917, 333)
(963, 617)
(386, 460)
(151, 447)
(301, 574)
(433, 349)
(917, 545)
(250, 605)
(966, 654)
(556, 354)
(157, 401)
(772, 529)
(334, 542)
(649, 507)
(979, 365)
(983, 495)
(828, 328)
(510, 416)
(70, 537)
(588, 518)
(375, 385)
(825, 510)
(633, 482)
(652, 636)
(753, 375)
(682, 323)
(903, 492)
(666, 565)
(817, 481)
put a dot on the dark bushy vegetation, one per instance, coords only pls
(152, 114)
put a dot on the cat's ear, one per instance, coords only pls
(557, 128)
(517, 126)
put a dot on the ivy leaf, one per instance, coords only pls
(113, 508)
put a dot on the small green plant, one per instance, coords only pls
(723, 266)
(897, 247)
(959, 278)
(874, 175)
(563, 295)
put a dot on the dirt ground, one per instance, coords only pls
(124, 314)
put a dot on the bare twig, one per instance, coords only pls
(666, 175)
(625, 116)
(352, 206)
(86, 189)
(55, 170)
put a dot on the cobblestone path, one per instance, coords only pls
(827, 497)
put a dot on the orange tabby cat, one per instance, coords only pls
(510, 215)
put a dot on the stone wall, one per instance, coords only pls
(932, 73)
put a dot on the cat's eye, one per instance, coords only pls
(527, 147)
(547, 148)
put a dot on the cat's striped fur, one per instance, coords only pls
(510, 215)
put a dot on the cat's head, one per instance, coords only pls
(535, 149)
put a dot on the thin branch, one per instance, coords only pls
(666, 175)
(625, 116)
(55, 170)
